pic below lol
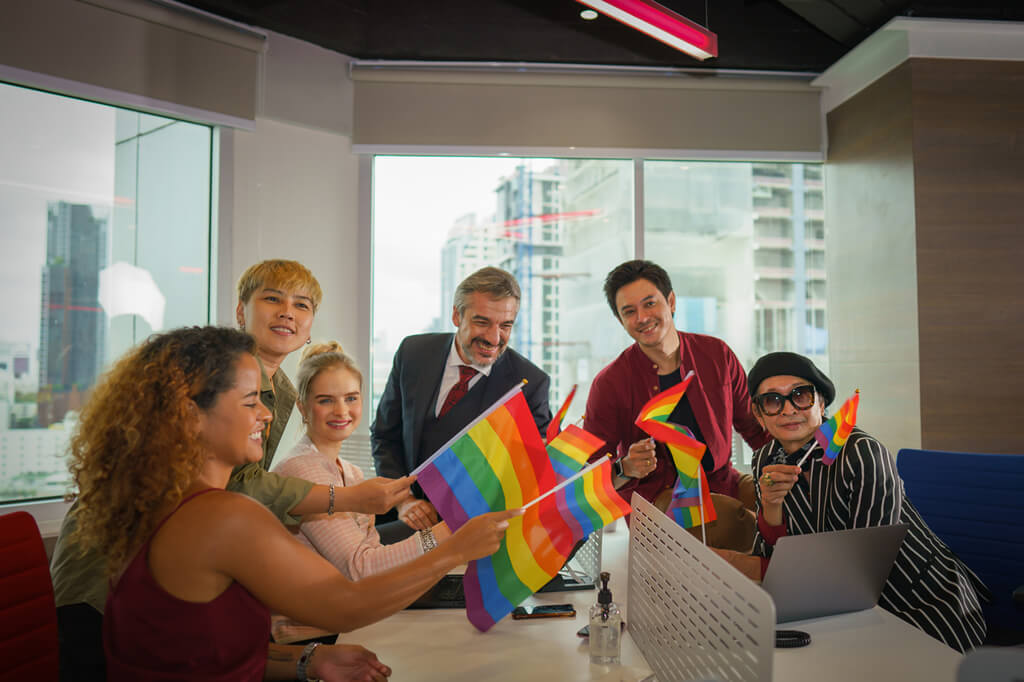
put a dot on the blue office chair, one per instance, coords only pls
(975, 503)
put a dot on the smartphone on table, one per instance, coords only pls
(545, 611)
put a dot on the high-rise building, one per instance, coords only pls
(789, 260)
(525, 238)
(72, 322)
(530, 224)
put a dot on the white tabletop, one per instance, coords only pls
(866, 646)
(427, 645)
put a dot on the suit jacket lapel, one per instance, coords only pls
(499, 381)
(427, 383)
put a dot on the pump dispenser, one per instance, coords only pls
(605, 627)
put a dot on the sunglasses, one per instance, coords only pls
(771, 404)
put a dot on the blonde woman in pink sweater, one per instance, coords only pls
(330, 399)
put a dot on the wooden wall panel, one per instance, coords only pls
(968, 121)
(870, 252)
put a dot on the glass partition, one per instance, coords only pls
(106, 233)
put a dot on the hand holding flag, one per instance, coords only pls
(499, 462)
(691, 499)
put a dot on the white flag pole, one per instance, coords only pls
(700, 496)
(581, 472)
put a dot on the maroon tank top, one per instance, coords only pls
(149, 634)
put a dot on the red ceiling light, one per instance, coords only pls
(660, 23)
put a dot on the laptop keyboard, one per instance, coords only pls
(446, 594)
(450, 589)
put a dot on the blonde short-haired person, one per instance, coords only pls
(195, 569)
(929, 587)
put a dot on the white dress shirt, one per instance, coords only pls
(451, 375)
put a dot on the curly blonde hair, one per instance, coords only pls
(316, 359)
(136, 447)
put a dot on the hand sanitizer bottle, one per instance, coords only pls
(605, 627)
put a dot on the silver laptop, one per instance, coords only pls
(823, 574)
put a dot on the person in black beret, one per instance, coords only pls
(929, 587)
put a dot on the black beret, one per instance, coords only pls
(782, 364)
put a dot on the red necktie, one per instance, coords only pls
(458, 390)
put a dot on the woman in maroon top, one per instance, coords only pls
(195, 568)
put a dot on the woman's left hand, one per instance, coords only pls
(776, 482)
(346, 663)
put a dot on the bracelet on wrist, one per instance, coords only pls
(330, 499)
(303, 665)
(427, 540)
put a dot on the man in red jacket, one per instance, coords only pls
(640, 295)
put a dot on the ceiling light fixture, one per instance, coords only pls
(588, 14)
(660, 23)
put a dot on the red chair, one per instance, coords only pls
(28, 615)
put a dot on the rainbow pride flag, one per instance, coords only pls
(496, 462)
(550, 528)
(691, 492)
(556, 423)
(570, 450)
(691, 495)
(499, 462)
(832, 435)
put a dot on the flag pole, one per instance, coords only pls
(590, 467)
(700, 496)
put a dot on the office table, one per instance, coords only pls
(441, 645)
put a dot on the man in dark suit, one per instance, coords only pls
(441, 382)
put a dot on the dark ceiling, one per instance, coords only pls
(774, 35)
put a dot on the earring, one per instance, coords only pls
(309, 340)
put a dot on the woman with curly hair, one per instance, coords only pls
(194, 567)
(277, 300)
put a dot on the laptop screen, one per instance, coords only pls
(824, 574)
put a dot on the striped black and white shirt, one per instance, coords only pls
(929, 587)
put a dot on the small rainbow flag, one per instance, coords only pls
(691, 491)
(499, 462)
(832, 435)
(654, 415)
(570, 450)
(556, 423)
(685, 508)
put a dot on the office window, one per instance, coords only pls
(750, 267)
(743, 243)
(558, 225)
(106, 232)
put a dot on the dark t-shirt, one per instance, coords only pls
(683, 415)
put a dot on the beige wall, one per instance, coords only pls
(871, 259)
